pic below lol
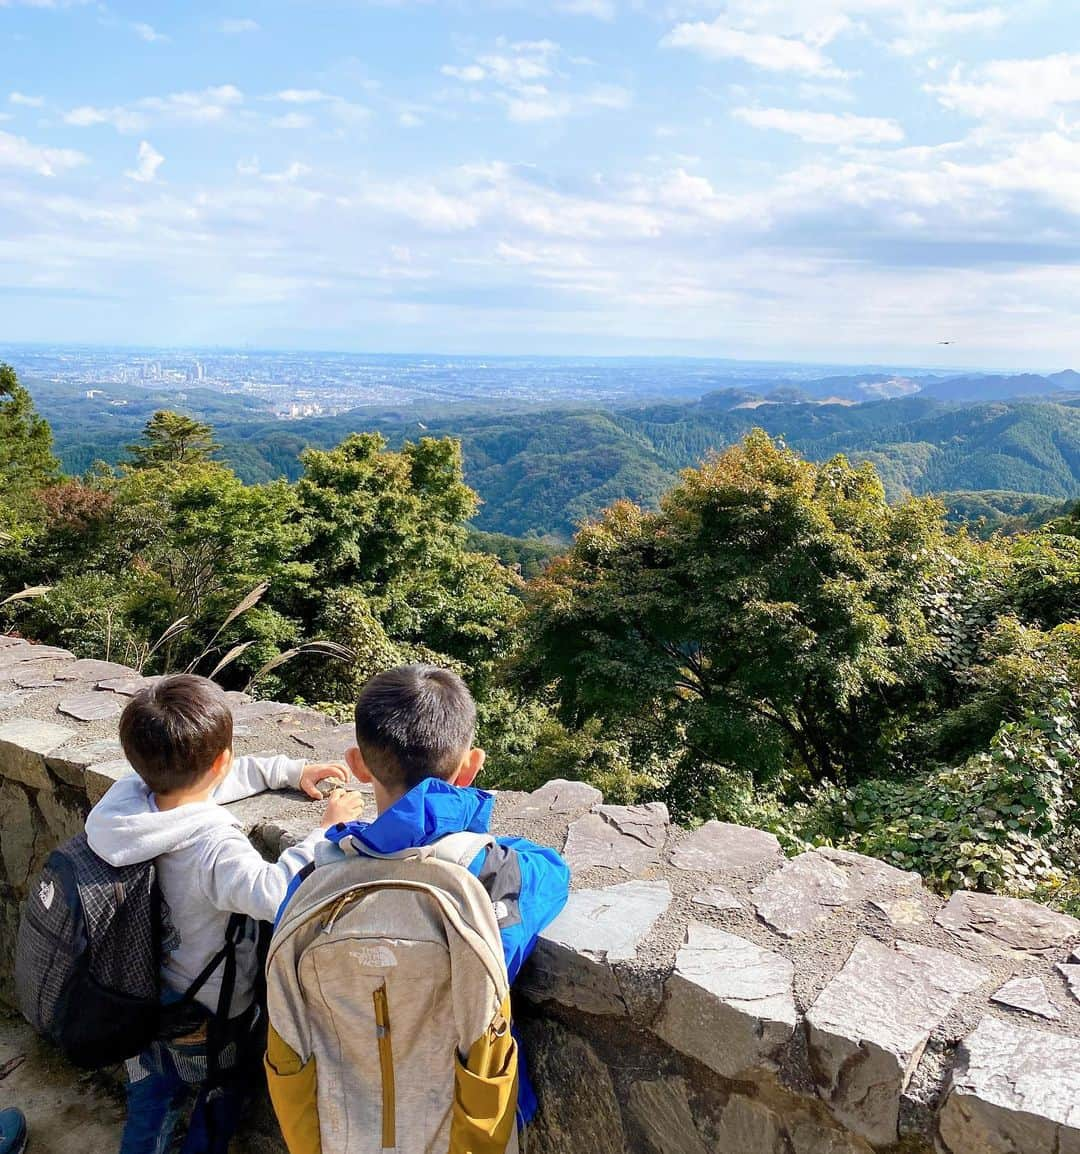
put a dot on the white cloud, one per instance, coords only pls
(720, 40)
(146, 166)
(25, 101)
(205, 106)
(237, 25)
(303, 96)
(18, 152)
(292, 120)
(409, 119)
(468, 73)
(824, 127)
(1013, 89)
(599, 9)
(148, 33)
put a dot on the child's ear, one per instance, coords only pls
(471, 765)
(221, 764)
(355, 761)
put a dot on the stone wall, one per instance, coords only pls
(701, 994)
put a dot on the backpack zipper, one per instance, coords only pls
(386, 1067)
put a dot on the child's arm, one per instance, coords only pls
(251, 775)
(237, 879)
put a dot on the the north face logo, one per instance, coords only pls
(46, 892)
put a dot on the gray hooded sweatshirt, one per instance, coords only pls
(206, 867)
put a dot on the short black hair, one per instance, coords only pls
(174, 730)
(414, 722)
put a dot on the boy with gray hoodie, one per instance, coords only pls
(177, 735)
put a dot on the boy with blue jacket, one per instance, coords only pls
(414, 745)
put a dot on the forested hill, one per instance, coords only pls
(543, 471)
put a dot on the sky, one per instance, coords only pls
(831, 180)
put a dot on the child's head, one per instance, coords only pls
(176, 732)
(415, 722)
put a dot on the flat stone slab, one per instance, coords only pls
(729, 1003)
(869, 1026)
(126, 686)
(38, 675)
(282, 716)
(92, 706)
(91, 671)
(608, 924)
(70, 762)
(719, 846)
(1027, 994)
(1071, 974)
(627, 837)
(717, 898)
(1015, 1090)
(812, 886)
(574, 955)
(15, 655)
(1007, 926)
(23, 746)
(558, 797)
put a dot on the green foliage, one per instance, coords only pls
(763, 615)
(26, 460)
(1004, 820)
(173, 439)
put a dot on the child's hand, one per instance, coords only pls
(315, 772)
(344, 805)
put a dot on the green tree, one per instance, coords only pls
(764, 618)
(26, 459)
(172, 438)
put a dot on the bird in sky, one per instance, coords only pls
(945, 342)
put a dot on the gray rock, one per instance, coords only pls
(16, 655)
(70, 762)
(282, 717)
(92, 706)
(1015, 1090)
(869, 1026)
(63, 821)
(814, 885)
(625, 837)
(648, 824)
(903, 912)
(717, 898)
(572, 963)
(661, 1109)
(558, 797)
(1027, 994)
(1007, 926)
(16, 834)
(719, 846)
(811, 1137)
(126, 686)
(729, 1003)
(92, 671)
(608, 924)
(1071, 974)
(23, 747)
(10, 699)
(750, 1127)
(38, 675)
(579, 1112)
(100, 778)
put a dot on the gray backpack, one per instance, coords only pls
(389, 1008)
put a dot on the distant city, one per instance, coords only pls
(294, 385)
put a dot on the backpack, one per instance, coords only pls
(389, 1008)
(88, 958)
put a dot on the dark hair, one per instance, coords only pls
(174, 730)
(414, 722)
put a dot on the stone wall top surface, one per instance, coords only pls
(870, 1007)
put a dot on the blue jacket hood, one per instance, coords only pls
(428, 812)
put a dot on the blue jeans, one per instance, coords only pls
(161, 1084)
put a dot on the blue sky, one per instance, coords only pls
(804, 179)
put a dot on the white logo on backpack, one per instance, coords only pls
(46, 892)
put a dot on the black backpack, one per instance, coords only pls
(88, 958)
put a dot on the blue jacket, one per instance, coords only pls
(528, 883)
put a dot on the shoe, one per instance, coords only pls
(12, 1132)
